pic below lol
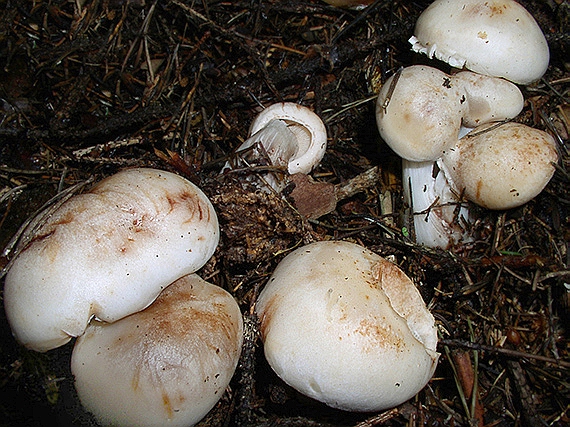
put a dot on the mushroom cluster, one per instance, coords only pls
(448, 128)
(370, 343)
(98, 263)
(420, 110)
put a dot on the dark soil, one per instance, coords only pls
(89, 87)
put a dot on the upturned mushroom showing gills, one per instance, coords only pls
(287, 135)
(494, 37)
(167, 365)
(346, 327)
(501, 166)
(107, 253)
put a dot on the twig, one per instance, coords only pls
(504, 351)
(380, 418)
(359, 183)
(367, 11)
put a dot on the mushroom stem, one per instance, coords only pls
(438, 216)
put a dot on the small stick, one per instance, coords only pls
(505, 351)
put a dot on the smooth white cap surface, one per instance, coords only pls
(501, 166)
(419, 111)
(108, 253)
(167, 365)
(494, 37)
(347, 327)
(488, 99)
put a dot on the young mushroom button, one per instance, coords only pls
(370, 343)
(501, 166)
(494, 37)
(488, 99)
(167, 365)
(107, 253)
(419, 111)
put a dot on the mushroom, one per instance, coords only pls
(370, 342)
(421, 112)
(494, 37)
(501, 166)
(288, 135)
(166, 365)
(436, 212)
(488, 99)
(107, 253)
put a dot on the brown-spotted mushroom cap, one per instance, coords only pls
(419, 111)
(167, 365)
(501, 166)
(494, 37)
(107, 253)
(346, 327)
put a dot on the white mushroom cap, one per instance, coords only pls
(107, 253)
(501, 166)
(489, 99)
(287, 135)
(307, 127)
(347, 327)
(495, 37)
(166, 365)
(419, 112)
